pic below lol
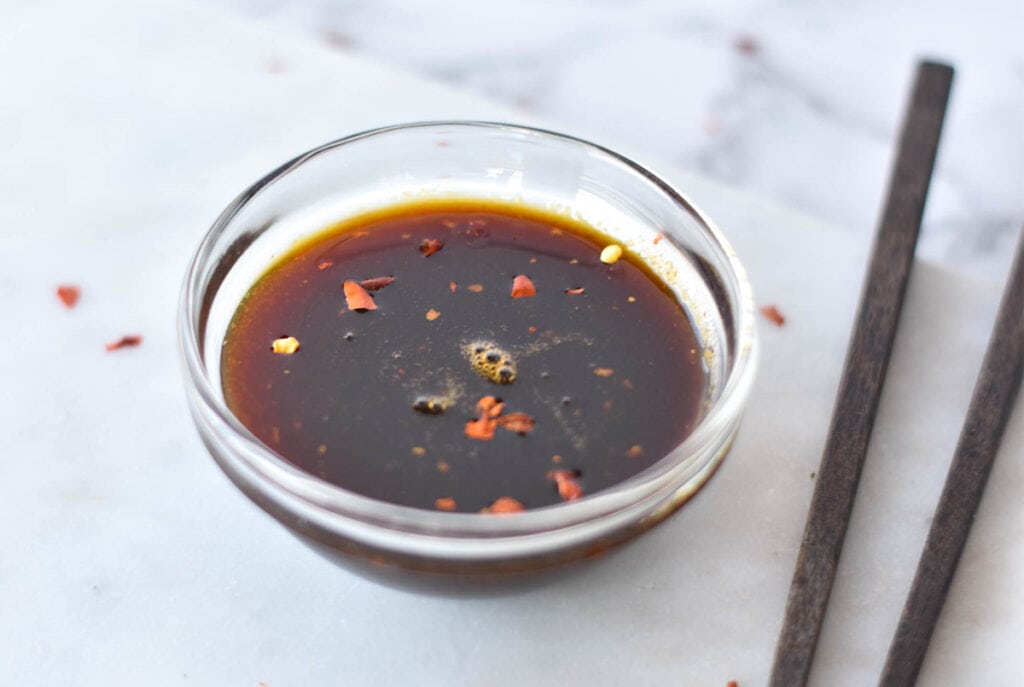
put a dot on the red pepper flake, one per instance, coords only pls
(556, 458)
(533, 330)
(357, 297)
(445, 503)
(285, 345)
(432, 315)
(430, 246)
(489, 406)
(516, 422)
(773, 315)
(376, 283)
(452, 286)
(522, 287)
(68, 295)
(505, 504)
(635, 451)
(575, 291)
(443, 466)
(568, 488)
(490, 418)
(732, 683)
(483, 427)
(604, 371)
(125, 342)
(324, 264)
(658, 238)
(747, 45)
(476, 288)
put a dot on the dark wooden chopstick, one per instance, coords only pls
(995, 392)
(860, 388)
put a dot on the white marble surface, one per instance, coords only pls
(126, 558)
(795, 101)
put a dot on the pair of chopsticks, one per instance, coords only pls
(857, 402)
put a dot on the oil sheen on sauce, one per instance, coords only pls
(451, 393)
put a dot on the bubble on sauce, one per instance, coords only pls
(491, 361)
(431, 405)
(428, 400)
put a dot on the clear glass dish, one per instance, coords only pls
(555, 172)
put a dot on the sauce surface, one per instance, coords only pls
(599, 374)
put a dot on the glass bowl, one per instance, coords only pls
(384, 167)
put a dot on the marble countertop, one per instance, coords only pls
(126, 557)
(795, 101)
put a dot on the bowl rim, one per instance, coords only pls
(343, 511)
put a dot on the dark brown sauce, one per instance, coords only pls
(378, 401)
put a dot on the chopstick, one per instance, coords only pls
(864, 371)
(994, 395)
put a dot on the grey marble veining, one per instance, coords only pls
(796, 101)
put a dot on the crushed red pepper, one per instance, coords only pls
(452, 286)
(68, 295)
(522, 287)
(575, 291)
(285, 345)
(430, 246)
(658, 238)
(747, 45)
(504, 504)
(490, 418)
(445, 503)
(376, 283)
(357, 298)
(516, 422)
(488, 408)
(773, 315)
(324, 264)
(568, 488)
(125, 342)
